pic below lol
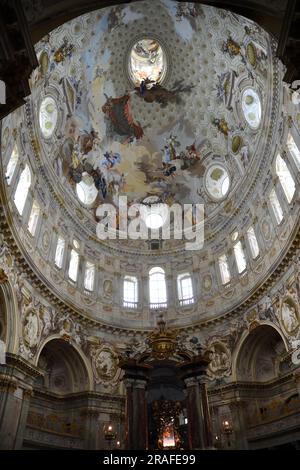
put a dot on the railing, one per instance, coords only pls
(158, 306)
(184, 302)
(130, 305)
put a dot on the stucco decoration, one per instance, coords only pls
(289, 316)
(105, 365)
(32, 329)
(220, 364)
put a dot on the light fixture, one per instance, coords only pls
(109, 433)
(227, 427)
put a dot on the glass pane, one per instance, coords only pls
(60, 248)
(89, 277)
(73, 266)
(157, 286)
(294, 150)
(34, 217)
(11, 166)
(285, 178)
(22, 189)
(185, 287)
(240, 257)
(130, 289)
(276, 206)
(224, 269)
(253, 242)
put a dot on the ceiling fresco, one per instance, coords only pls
(149, 96)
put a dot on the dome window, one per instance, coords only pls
(224, 269)
(59, 253)
(277, 209)
(254, 248)
(48, 116)
(217, 182)
(286, 180)
(251, 106)
(240, 257)
(73, 265)
(12, 164)
(21, 192)
(147, 62)
(185, 289)
(294, 150)
(130, 292)
(89, 276)
(157, 288)
(33, 218)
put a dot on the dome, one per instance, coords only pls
(148, 110)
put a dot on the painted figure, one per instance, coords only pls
(119, 118)
(110, 159)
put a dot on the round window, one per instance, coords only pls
(217, 181)
(86, 189)
(48, 116)
(147, 62)
(251, 106)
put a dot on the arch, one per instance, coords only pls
(259, 344)
(72, 355)
(9, 317)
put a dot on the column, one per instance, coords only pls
(199, 421)
(237, 409)
(136, 419)
(91, 428)
(16, 385)
(193, 373)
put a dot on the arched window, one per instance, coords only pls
(33, 218)
(21, 192)
(11, 166)
(240, 257)
(224, 269)
(74, 262)
(89, 276)
(285, 178)
(157, 288)
(185, 289)
(276, 206)
(60, 249)
(130, 292)
(253, 242)
(294, 150)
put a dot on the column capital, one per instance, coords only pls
(135, 383)
(8, 384)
